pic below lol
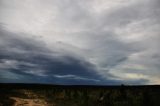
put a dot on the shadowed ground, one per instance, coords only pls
(54, 95)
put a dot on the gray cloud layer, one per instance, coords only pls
(115, 41)
(27, 60)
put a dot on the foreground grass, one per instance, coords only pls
(48, 95)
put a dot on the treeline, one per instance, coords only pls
(88, 96)
(103, 97)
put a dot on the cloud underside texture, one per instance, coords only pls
(25, 60)
(80, 42)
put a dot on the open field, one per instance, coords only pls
(56, 95)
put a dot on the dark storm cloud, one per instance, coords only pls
(114, 39)
(31, 60)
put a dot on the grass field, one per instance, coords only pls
(58, 95)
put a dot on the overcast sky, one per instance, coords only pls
(80, 41)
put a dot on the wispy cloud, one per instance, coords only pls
(75, 77)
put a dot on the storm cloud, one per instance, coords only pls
(84, 42)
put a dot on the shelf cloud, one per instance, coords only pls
(80, 42)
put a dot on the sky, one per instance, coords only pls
(80, 42)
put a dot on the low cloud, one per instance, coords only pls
(113, 41)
